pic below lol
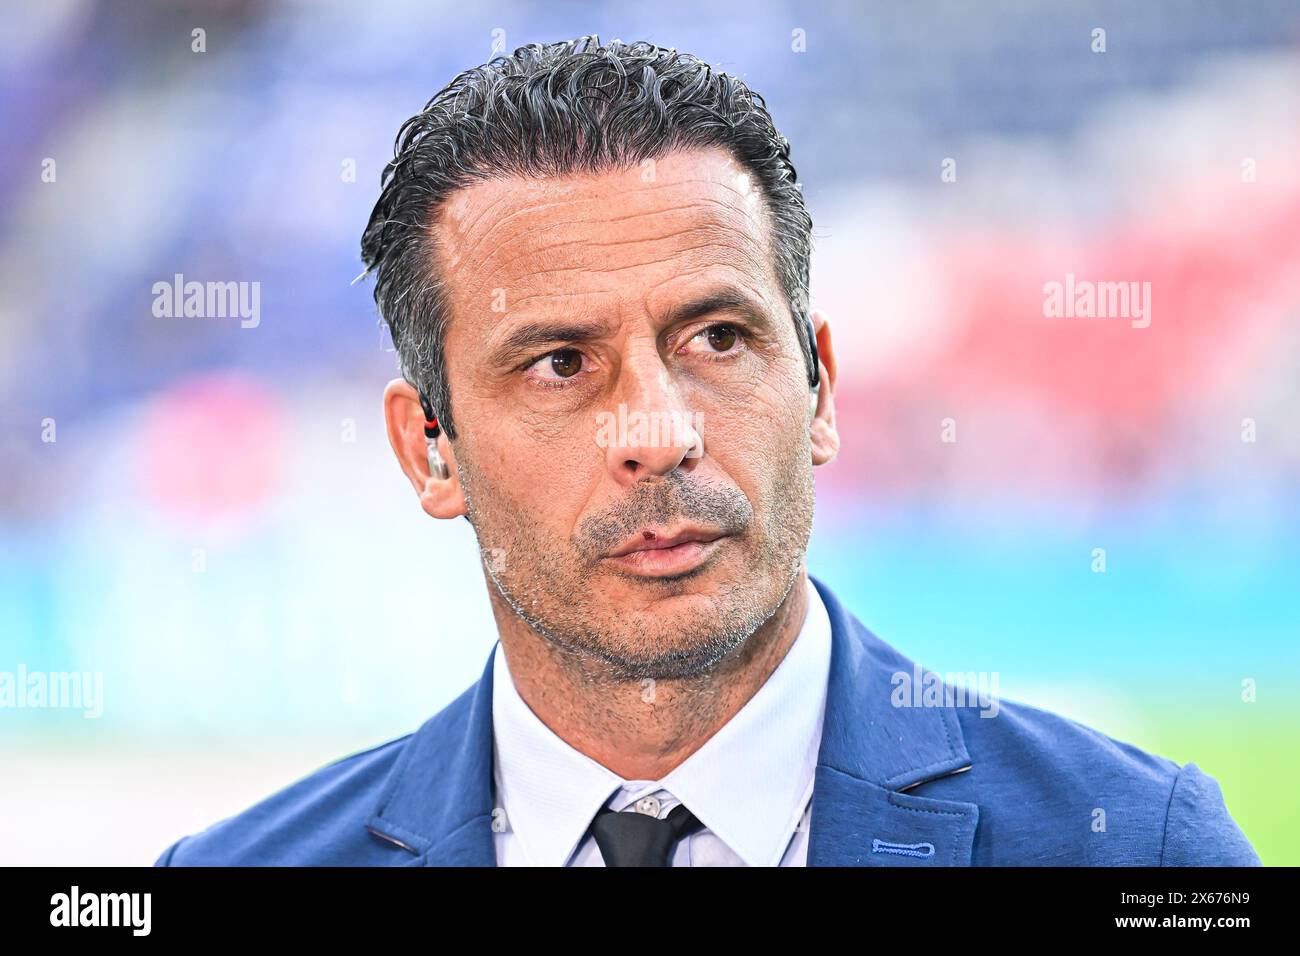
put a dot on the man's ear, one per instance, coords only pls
(440, 497)
(825, 439)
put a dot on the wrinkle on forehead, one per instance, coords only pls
(492, 228)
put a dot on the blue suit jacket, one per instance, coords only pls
(894, 786)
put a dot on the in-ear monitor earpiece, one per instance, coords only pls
(437, 466)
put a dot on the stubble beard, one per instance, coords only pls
(555, 598)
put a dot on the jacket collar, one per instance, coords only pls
(873, 751)
(437, 800)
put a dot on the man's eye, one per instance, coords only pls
(719, 339)
(560, 364)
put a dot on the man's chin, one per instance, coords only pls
(664, 658)
(670, 635)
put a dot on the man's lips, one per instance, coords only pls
(659, 539)
(659, 553)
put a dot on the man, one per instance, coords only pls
(594, 263)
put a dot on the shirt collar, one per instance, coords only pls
(748, 783)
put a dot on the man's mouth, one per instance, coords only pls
(659, 552)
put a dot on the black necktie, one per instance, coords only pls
(630, 838)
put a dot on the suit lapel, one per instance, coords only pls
(437, 801)
(872, 752)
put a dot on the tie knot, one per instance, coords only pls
(638, 839)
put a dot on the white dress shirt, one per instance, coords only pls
(750, 784)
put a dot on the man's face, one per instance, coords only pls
(599, 405)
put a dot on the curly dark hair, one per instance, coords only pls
(552, 110)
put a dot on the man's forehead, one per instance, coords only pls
(579, 232)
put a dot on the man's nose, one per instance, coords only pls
(652, 429)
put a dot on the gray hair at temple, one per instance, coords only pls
(552, 110)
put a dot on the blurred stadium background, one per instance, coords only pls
(219, 528)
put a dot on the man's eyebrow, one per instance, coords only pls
(720, 300)
(532, 336)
